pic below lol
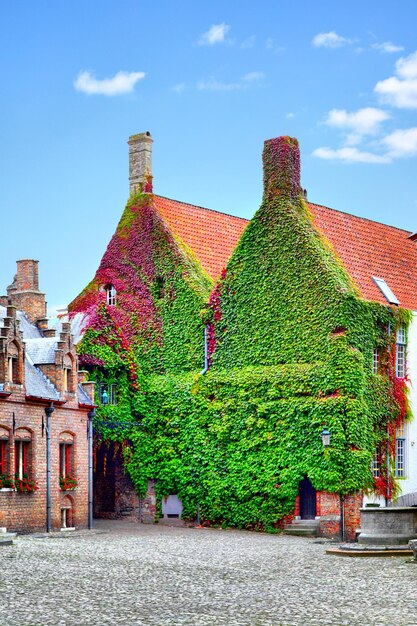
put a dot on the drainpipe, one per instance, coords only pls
(48, 412)
(206, 357)
(342, 518)
(91, 415)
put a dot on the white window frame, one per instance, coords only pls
(111, 295)
(401, 452)
(375, 361)
(401, 353)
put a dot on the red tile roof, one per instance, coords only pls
(366, 248)
(211, 235)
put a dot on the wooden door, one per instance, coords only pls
(307, 499)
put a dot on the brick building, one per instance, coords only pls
(39, 376)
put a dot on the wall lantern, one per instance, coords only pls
(325, 437)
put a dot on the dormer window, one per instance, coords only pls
(111, 295)
(68, 374)
(13, 364)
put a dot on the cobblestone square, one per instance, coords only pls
(125, 573)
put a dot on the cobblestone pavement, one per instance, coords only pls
(152, 575)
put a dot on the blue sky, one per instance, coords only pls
(211, 81)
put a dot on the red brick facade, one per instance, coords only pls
(38, 371)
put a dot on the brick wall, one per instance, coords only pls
(27, 512)
(330, 505)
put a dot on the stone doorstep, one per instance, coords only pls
(6, 539)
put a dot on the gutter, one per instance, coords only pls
(206, 356)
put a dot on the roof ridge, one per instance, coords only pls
(197, 206)
(359, 217)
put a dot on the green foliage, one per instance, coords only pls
(294, 344)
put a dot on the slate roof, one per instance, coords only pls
(37, 384)
(83, 397)
(41, 350)
(366, 248)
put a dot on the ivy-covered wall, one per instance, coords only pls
(160, 290)
(291, 346)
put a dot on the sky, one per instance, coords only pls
(210, 81)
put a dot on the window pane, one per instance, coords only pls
(400, 458)
(400, 361)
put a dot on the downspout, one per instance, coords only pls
(206, 355)
(91, 415)
(48, 412)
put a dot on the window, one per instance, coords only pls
(4, 451)
(400, 452)
(65, 459)
(111, 295)
(21, 449)
(66, 454)
(22, 453)
(375, 362)
(3, 446)
(400, 361)
(13, 364)
(108, 393)
(376, 464)
(68, 374)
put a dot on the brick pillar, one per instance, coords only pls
(24, 292)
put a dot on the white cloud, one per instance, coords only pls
(401, 143)
(365, 121)
(271, 44)
(215, 34)
(290, 115)
(401, 90)
(330, 40)
(350, 155)
(212, 84)
(179, 88)
(120, 83)
(248, 43)
(252, 76)
(387, 46)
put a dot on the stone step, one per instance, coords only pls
(305, 522)
(301, 531)
(6, 539)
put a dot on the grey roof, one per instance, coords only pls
(83, 397)
(41, 350)
(30, 331)
(37, 384)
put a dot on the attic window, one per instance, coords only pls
(388, 294)
(111, 295)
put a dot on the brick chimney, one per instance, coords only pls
(140, 161)
(24, 292)
(281, 162)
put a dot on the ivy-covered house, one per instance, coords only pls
(226, 348)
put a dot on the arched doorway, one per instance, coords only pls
(307, 499)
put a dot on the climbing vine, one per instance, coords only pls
(290, 343)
